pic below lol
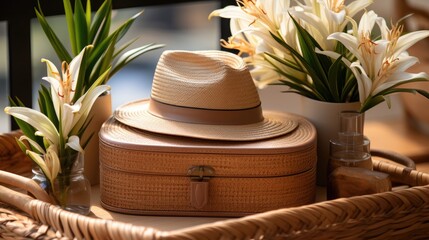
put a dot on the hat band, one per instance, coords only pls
(206, 116)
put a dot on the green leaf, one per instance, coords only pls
(308, 44)
(287, 75)
(371, 102)
(26, 128)
(123, 29)
(285, 62)
(133, 54)
(300, 89)
(59, 48)
(48, 105)
(334, 76)
(320, 88)
(105, 62)
(99, 33)
(81, 26)
(88, 15)
(70, 26)
(101, 16)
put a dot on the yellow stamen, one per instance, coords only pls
(393, 37)
(367, 44)
(239, 44)
(336, 5)
(251, 8)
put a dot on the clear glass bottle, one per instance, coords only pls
(71, 190)
(351, 148)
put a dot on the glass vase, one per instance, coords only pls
(71, 190)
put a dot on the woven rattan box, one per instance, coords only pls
(148, 173)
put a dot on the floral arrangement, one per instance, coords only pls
(52, 137)
(318, 50)
(53, 133)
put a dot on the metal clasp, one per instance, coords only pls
(199, 186)
(200, 173)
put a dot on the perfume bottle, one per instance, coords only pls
(351, 148)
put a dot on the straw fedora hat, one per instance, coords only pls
(204, 94)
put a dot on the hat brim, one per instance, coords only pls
(136, 114)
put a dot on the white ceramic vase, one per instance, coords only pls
(100, 112)
(326, 119)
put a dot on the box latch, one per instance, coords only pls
(199, 190)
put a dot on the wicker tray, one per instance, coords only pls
(390, 215)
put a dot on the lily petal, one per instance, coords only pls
(52, 162)
(400, 78)
(32, 143)
(86, 101)
(37, 158)
(74, 143)
(36, 119)
(75, 66)
(409, 39)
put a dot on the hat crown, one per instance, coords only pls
(204, 79)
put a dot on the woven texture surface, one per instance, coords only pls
(403, 214)
(142, 172)
(136, 114)
(393, 215)
(198, 78)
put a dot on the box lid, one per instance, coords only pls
(130, 150)
(122, 136)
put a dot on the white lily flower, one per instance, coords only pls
(63, 86)
(298, 46)
(381, 64)
(324, 17)
(251, 25)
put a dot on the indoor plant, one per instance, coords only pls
(84, 29)
(319, 51)
(52, 137)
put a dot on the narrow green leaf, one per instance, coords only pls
(99, 50)
(26, 128)
(88, 15)
(119, 50)
(81, 26)
(371, 102)
(70, 26)
(296, 83)
(133, 54)
(102, 16)
(299, 88)
(289, 76)
(59, 48)
(334, 82)
(104, 30)
(123, 29)
(49, 109)
(285, 62)
(308, 44)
